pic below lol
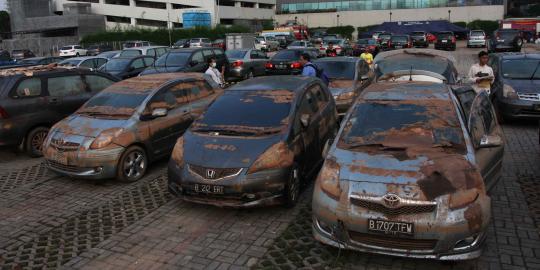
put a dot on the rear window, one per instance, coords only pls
(445, 35)
(477, 33)
(130, 53)
(173, 59)
(287, 55)
(399, 39)
(65, 48)
(116, 64)
(235, 54)
(406, 62)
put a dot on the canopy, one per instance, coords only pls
(403, 27)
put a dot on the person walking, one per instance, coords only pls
(308, 69)
(331, 51)
(214, 72)
(481, 75)
(367, 56)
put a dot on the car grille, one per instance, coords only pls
(64, 146)
(392, 242)
(66, 168)
(531, 97)
(405, 207)
(218, 173)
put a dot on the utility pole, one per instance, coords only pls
(169, 24)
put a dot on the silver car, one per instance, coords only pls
(90, 62)
(476, 38)
(246, 63)
(300, 44)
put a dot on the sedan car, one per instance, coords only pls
(505, 40)
(348, 77)
(476, 38)
(118, 132)
(420, 39)
(72, 50)
(286, 62)
(445, 41)
(246, 63)
(410, 172)
(516, 89)
(91, 62)
(127, 67)
(256, 144)
(21, 54)
(343, 47)
(399, 42)
(366, 43)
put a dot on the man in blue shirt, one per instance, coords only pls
(309, 69)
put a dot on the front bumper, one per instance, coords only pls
(518, 108)
(473, 43)
(241, 191)
(10, 133)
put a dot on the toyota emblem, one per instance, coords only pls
(210, 174)
(391, 200)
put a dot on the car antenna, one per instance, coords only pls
(410, 74)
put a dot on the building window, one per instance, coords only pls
(180, 6)
(86, 1)
(177, 25)
(226, 3)
(153, 23)
(149, 4)
(117, 2)
(266, 6)
(118, 19)
(247, 4)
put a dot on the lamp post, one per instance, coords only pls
(169, 24)
(337, 20)
(295, 19)
(390, 16)
(449, 11)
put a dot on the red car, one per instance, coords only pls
(219, 43)
(431, 37)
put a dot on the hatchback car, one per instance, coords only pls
(188, 60)
(255, 144)
(399, 42)
(127, 67)
(343, 47)
(200, 42)
(410, 172)
(516, 89)
(419, 39)
(445, 41)
(476, 38)
(121, 130)
(72, 50)
(21, 54)
(246, 63)
(287, 62)
(505, 40)
(90, 62)
(348, 77)
(154, 51)
(32, 99)
(366, 43)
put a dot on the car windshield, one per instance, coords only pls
(416, 62)
(235, 54)
(338, 69)
(402, 124)
(250, 111)
(116, 64)
(173, 59)
(521, 69)
(29, 61)
(399, 38)
(444, 35)
(130, 53)
(287, 55)
(298, 43)
(366, 41)
(477, 34)
(114, 102)
(70, 62)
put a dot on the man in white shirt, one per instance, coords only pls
(481, 75)
(214, 72)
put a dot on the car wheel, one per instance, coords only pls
(132, 165)
(77, 55)
(34, 141)
(292, 188)
(249, 75)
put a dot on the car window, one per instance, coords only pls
(29, 88)
(148, 61)
(66, 86)
(151, 52)
(97, 83)
(308, 105)
(88, 63)
(199, 90)
(138, 63)
(181, 92)
(254, 55)
(198, 56)
(208, 53)
(162, 99)
(100, 62)
(262, 55)
(78, 47)
(218, 52)
(161, 51)
(320, 98)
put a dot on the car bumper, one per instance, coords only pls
(472, 43)
(420, 43)
(283, 71)
(68, 54)
(237, 73)
(241, 191)
(519, 108)
(445, 45)
(10, 133)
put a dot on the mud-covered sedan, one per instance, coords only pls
(256, 143)
(409, 173)
(127, 125)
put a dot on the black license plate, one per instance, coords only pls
(209, 189)
(281, 66)
(390, 227)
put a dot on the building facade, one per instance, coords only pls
(168, 13)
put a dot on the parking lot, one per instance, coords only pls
(51, 221)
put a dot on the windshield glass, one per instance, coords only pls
(367, 41)
(114, 102)
(338, 69)
(287, 55)
(173, 59)
(70, 62)
(444, 36)
(403, 124)
(116, 64)
(130, 53)
(297, 43)
(251, 110)
(399, 39)
(416, 62)
(477, 33)
(521, 69)
(235, 54)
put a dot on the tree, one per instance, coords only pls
(5, 25)
(534, 10)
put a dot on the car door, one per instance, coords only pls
(487, 138)
(88, 63)
(100, 62)
(136, 67)
(498, 84)
(307, 136)
(67, 92)
(28, 103)
(197, 63)
(325, 121)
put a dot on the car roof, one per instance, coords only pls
(154, 81)
(420, 52)
(515, 55)
(143, 48)
(82, 58)
(132, 57)
(191, 49)
(403, 91)
(285, 82)
(35, 70)
(338, 59)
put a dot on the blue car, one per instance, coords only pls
(5, 58)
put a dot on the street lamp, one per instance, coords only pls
(337, 20)
(449, 11)
(390, 16)
(295, 19)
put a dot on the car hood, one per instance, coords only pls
(86, 126)
(339, 86)
(525, 86)
(225, 152)
(154, 70)
(408, 174)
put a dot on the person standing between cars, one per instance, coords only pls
(331, 51)
(481, 75)
(308, 69)
(214, 72)
(367, 56)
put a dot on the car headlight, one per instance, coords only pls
(329, 179)
(178, 152)
(277, 156)
(105, 138)
(509, 92)
(461, 199)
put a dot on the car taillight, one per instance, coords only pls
(296, 65)
(389, 43)
(269, 65)
(237, 63)
(453, 39)
(3, 113)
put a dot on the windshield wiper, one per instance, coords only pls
(535, 70)
(224, 132)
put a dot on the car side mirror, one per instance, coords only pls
(488, 141)
(304, 119)
(159, 112)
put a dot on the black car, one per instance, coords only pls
(399, 42)
(419, 39)
(33, 99)
(505, 40)
(96, 49)
(516, 89)
(383, 39)
(127, 67)
(181, 43)
(445, 41)
(22, 54)
(284, 40)
(256, 144)
(286, 62)
(34, 61)
(366, 43)
(188, 60)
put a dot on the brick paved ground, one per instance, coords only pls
(47, 221)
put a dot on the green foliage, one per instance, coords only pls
(268, 25)
(534, 10)
(161, 36)
(487, 26)
(363, 29)
(345, 31)
(461, 24)
(4, 23)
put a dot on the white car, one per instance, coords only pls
(154, 51)
(300, 44)
(199, 42)
(267, 43)
(72, 50)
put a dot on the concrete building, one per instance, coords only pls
(168, 13)
(327, 13)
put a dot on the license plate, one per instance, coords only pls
(399, 47)
(390, 227)
(209, 189)
(444, 41)
(59, 157)
(281, 66)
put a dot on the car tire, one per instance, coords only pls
(77, 55)
(249, 75)
(132, 164)
(34, 141)
(292, 188)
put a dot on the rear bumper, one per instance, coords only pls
(473, 42)
(283, 71)
(445, 45)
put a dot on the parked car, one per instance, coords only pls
(34, 61)
(246, 63)
(199, 42)
(343, 47)
(72, 50)
(375, 34)
(505, 40)
(476, 38)
(188, 60)
(284, 40)
(366, 43)
(90, 62)
(5, 58)
(154, 51)
(419, 39)
(181, 43)
(109, 55)
(300, 44)
(219, 43)
(21, 54)
(383, 40)
(328, 37)
(135, 43)
(348, 77)
(94, 50)
(266, 43)
(410, 173)
(431, 37)
(399, 42)
(32, 99)
(127, 67)
(445, 41)
(400, 64)
(118, 132)
(516, 89)
(286, 62)
(256, 144)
